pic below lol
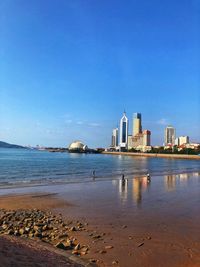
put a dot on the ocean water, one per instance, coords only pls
(32, 167)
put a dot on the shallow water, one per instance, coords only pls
(31, 167)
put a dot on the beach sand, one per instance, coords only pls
(132, 224)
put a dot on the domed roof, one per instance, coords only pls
(76, 145)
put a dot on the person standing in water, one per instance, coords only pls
(93, 174)
(148, 177)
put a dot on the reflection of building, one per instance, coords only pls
(123, 189)
(170, 182)
(140, 185)
(170, 135)
(124, 132)
(114, 143)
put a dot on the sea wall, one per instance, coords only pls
(155, 155)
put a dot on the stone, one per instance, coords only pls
(75, 252)
(93, 260)
(77, 247)
(60, 245)
(115, 262)
(84, 249)
(21, 231)
(4, 226)
(38, 234)
(141, 244)
(10, 232)
(108, 247)
(102, 251)
(96, 236)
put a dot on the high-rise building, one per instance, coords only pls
(170, 135)
(114, 142)
(137, 124)
(146, 138)
(124, 132)
(140, 139)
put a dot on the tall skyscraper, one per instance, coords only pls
(114, 142)
(124, 132)
(170, 135)
(137, 123)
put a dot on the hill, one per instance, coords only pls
(7, 145)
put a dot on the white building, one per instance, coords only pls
(123, 132)
(183, 140)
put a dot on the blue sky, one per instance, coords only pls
(68, 69)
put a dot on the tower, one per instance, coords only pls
(137, 123)
(170, 135)
(124, 132)
(115, 138)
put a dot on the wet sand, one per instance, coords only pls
(136, 223)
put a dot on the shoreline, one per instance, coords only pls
(156, 155)
(19, 185)
(136, 224)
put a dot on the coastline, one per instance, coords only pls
(156, 155)
(136, 224)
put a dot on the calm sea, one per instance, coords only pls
(29, 167)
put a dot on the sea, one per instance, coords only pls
(26, 167)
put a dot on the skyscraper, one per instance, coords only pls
(170, 135)
(114, 142)
(137, 123)
(124, 132)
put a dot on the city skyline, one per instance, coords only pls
(70, 69)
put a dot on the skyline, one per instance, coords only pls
(70, 69)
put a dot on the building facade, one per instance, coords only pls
(123, 132)
(170, 135)
(182, 140)
(114, 141)
(137, 123)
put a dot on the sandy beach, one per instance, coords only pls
(132, 224)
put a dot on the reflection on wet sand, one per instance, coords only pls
(123, 189)
(171, 180)
(140, 185)
(137, 186)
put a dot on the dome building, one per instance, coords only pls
(77, 146)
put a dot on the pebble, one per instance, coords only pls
(108, 247)
(35, 223)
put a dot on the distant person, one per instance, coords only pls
(93, 174)
(123, 178)
(148, 177)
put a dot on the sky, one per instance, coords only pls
(68, 69)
